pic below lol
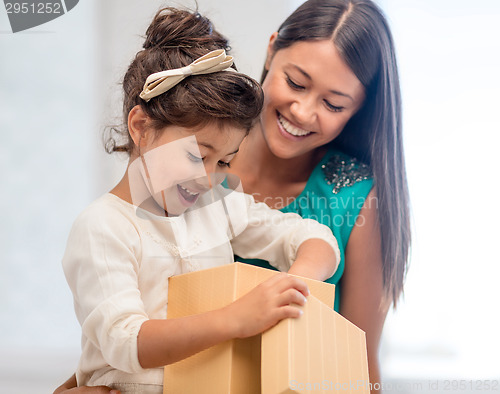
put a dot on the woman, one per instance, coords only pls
(332, 116)
(329, 146)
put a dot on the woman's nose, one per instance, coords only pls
(304, 110)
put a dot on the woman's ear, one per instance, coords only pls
(137, 124)
(270, 50)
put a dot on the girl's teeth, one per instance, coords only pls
(292, 129)
(187, 191)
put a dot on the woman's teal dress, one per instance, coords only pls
(333, 195)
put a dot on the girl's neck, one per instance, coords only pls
(122, 190)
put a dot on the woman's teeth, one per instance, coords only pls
(187, 191)
(289, 128)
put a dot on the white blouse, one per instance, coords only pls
(119, 257)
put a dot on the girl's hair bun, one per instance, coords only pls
(175, 39)
(172, 28)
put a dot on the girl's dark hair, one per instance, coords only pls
(175, 39)
(361, 34)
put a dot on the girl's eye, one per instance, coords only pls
(292, 84)
(332, 107)
(223, 164)
(193, 158)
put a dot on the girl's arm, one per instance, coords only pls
(316, 259)
(302, 247)
(102, 268)
(363, 301)
(161, 342)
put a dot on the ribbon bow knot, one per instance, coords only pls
(162, 81)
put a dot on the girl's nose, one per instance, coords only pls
(204, 182)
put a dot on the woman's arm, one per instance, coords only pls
(363, 302)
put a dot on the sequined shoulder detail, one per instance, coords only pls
(344, 171)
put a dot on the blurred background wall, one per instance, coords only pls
(59, 88)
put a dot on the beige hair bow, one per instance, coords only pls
(162, 81)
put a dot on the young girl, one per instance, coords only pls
(186, 116)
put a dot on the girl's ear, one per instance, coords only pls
(270, 51)
(137, 124)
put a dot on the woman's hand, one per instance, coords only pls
(87, 390)
(264, 306)
(69, 387)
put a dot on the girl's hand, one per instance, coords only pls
(267, 304)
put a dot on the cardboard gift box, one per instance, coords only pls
(319, 351)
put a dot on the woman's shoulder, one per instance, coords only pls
(340, 174)
(341, 171)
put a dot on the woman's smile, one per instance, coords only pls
(288, 128)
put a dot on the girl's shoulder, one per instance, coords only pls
(108, 204)
(107, 212)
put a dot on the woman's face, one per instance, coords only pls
(310, 94)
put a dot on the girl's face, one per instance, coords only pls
(181, 164)
(309, 95)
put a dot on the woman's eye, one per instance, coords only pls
(332, 107)
(194, 159)
(293, 85)
(223, 164)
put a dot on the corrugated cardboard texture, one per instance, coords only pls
(233, 366)
(321, 351)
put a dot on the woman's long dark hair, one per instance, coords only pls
(361, 34)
